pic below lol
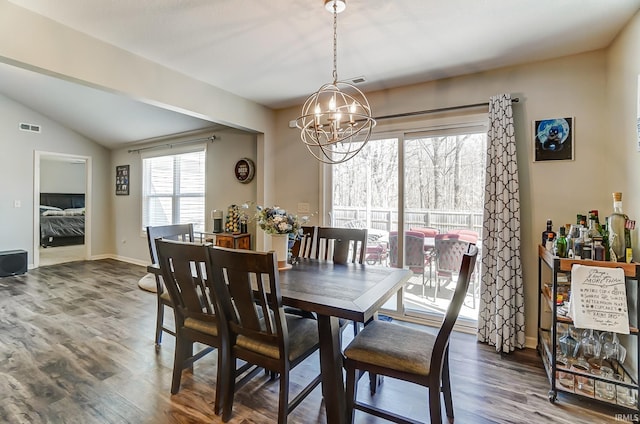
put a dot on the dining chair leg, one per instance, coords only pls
(221, 382)
(434, 402)
(446, 387)
(352, 384)
(178, 363)
(283, 403)
(159, 323)
(229, 382)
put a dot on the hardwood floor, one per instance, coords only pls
(76, 346)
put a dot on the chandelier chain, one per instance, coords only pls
(335, 42)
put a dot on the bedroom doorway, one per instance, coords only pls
(61, 206)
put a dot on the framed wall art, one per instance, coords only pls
(553, 139)
(122, 180)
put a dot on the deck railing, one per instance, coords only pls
(387, 219)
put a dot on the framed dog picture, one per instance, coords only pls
(122, 180)
(553, 139)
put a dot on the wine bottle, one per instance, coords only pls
(616, 225)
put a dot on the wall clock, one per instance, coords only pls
(244, 170)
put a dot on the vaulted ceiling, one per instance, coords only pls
(276, 52)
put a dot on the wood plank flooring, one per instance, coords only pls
(76, 346)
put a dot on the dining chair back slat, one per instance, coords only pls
(341, 245)
(304, 245)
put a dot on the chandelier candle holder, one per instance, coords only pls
(336, 121)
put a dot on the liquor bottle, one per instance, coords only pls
(550, 243)
(616, 225)
(561, 244)
(598, 249)
(548, 231)
(594, 225)
(579, 245)
(605, 243)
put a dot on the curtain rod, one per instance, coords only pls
(170, 145)
(442, 109)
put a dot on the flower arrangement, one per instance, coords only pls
(276, 220)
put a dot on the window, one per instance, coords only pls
(173, 189)
(423, 179)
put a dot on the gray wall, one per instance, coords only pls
(17, 177)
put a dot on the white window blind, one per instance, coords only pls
(173, 189)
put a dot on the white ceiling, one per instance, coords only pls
(276, 52)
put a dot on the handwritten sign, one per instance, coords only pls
(599, 299)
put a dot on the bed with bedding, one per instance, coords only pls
(61, 219)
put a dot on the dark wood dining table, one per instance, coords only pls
(350, 291)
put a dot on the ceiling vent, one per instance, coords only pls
(358, 80)
(29, 127)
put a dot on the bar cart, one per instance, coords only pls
(619, 385)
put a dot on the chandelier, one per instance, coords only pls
(336, 120)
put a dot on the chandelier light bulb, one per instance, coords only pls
(322, 130)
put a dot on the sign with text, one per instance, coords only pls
(599, 299)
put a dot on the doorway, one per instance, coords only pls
(61, 228)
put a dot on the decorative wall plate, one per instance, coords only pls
(245, 170)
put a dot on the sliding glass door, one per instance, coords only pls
(425, 182)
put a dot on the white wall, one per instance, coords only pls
(17, 151)
(58, 176)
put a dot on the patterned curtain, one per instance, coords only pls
(501, 315)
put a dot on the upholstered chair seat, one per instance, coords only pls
(394, 346)
(303, 336)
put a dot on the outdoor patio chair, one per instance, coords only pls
(415, 256)
(450, 248)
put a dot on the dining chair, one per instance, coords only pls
(304, 245)
(408, 353)
(183, 267)
(247, 289)
(416, 258)
(450, 249)
(341, 245)
(181, 232)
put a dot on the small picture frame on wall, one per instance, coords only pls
(122, 180)
(553, 139)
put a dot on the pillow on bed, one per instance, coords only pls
(45, 208)
(74, 212)
(53, 212)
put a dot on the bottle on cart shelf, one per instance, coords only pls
(598, 249)
(561, 244)
(549, 245)
(616, 225)
(605, 243)
(594, 225)
(578, 245)
(549, 230)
